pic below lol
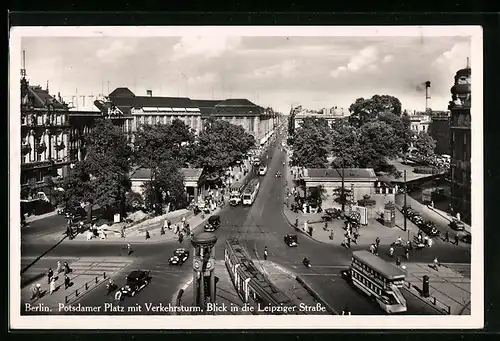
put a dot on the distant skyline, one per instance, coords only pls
(315, 72)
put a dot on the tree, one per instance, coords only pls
(377, 141)
(166, 186)
(312, 143)
(345, 144)
(107, 163)
(424, 143)
(220, 145)
(155, 144)
(364, 110)
(75, 186)
(401, 126)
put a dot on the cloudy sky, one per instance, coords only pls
(316, 72)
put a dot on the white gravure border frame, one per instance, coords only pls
(475, 320)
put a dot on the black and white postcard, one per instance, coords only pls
(246, 177)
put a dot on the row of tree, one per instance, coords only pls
(375, 131)
(103, 177)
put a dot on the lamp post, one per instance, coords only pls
(404, 205)
(342, 193)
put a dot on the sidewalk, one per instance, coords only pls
(449, 290)
(32, 218)
(153, 226)
(92, 271)
(441, 218)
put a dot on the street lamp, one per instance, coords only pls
(404, 207)
(342, 193)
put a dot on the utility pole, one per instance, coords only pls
(342, 191)
(404, 206)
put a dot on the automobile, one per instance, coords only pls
(213, 223)
(331, 213)
(457, 225)
(429, 228)
(291, 240)
(346, 275)
(467, 238)
(180, 256)
(136, 281)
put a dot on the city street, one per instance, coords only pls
(257, 226)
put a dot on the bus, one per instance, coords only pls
(379, 279)
(251, 191)
(235, 193)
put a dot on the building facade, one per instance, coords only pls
(138, 110)
(460, 131)
(44, 139)
(419, 121)
(439, 130)
(331, 116)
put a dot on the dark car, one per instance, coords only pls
(213, 223)
(346, 275)
(291, 240)
(429, 228)
(457, 225)
(180, 256)
(136, 281)
(467, 238)
(331, 213)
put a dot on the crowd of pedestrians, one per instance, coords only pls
(52, 277)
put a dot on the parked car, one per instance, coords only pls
(180, 256)
(331, 213)
(291, 240)
(136, 281)
(429, 228)
(457, 225)
(213, 223)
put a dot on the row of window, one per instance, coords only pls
(369, 270)
(43, 119)
(367, 283)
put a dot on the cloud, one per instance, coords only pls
(283, 69)
(365, 58)
(454, 58)
(388, 58)
(205, 78)
(117, 49)
(204, 46)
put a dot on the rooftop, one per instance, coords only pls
(387, 269)
(336, 174)
(190, 174)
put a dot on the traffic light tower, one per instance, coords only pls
(204, 279)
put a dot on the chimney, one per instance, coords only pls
(427, 96)
(149, 93)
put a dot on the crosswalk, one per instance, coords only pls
(86, 274)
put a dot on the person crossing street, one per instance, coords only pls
(265, 253)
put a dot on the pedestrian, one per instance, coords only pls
(398, 261)
(67, 282)
(59, 267)
(377, 241)
(162, 230)
(176, 228)
(436, 264)
(52, 286)
(296, 222)
(50, 274)
(355, 239)
(456, 239)
(326, 226)
(372, 248)
(265, 253)
(147, 235)
(129, 249)
(67, 269)
(181, 237)
(331, 234)
(169, 224)
(447, 236)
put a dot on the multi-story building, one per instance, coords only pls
(137, 110)
(331, 117)
(44, 138)
(439, 130)
(420, 121)
(460, 130)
